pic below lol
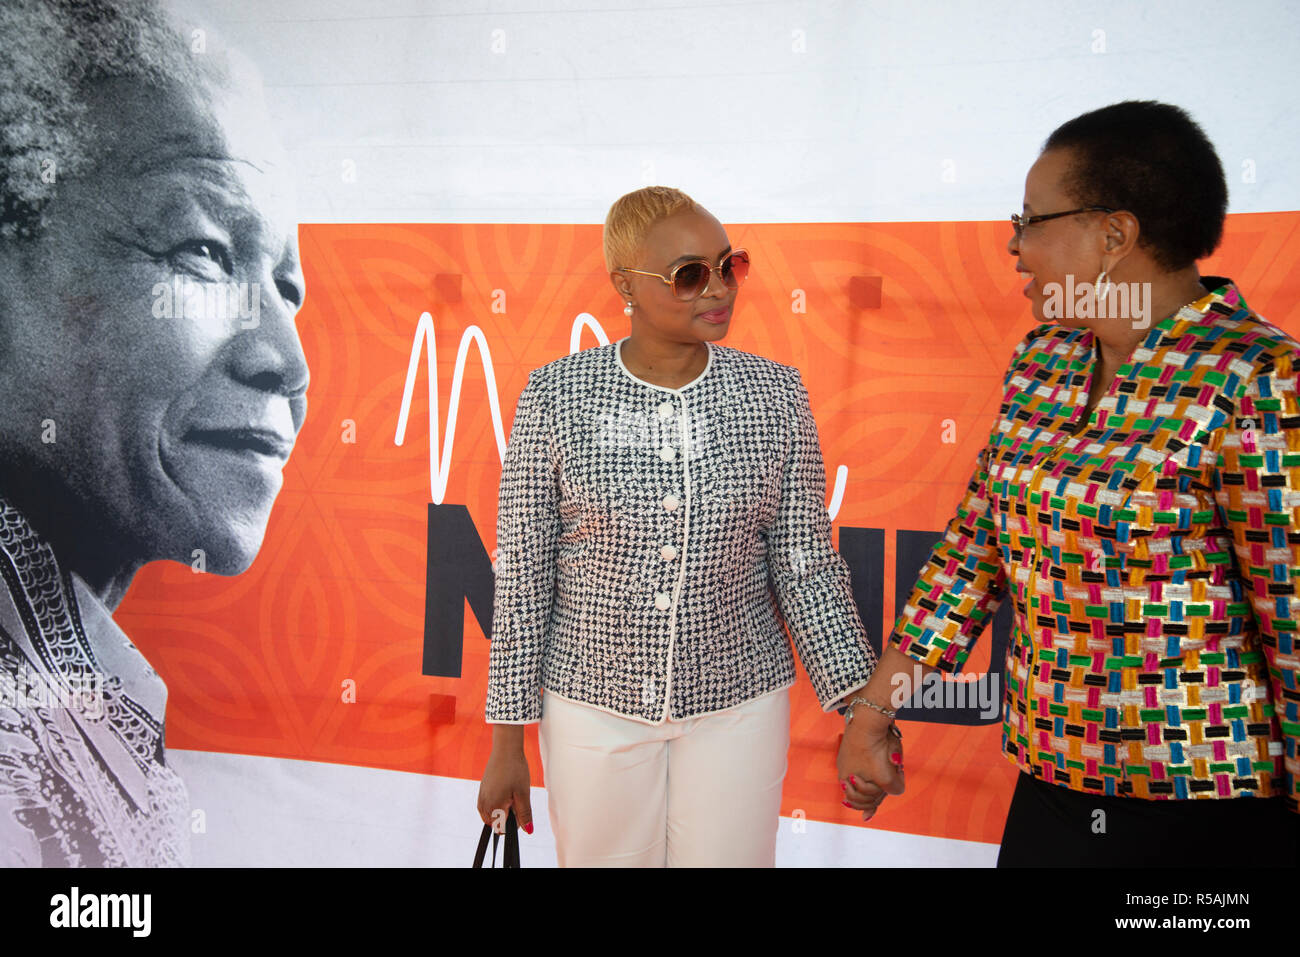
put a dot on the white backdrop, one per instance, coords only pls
(768, 111)
(530, 112)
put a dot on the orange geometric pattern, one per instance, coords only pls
(904, 395)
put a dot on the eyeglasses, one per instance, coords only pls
(1020, 222)
(688, 280)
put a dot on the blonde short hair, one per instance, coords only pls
(632, 216)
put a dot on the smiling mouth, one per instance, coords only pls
(257, 441)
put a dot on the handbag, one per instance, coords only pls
(510, 858)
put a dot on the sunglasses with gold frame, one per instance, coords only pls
(691, 284)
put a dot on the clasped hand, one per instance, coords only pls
(870, 762)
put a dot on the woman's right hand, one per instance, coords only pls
(505, 785)
(870, 762)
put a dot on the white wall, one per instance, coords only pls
(832, 111)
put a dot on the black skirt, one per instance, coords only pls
(1049, 825)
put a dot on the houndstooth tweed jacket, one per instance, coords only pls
(651, 540)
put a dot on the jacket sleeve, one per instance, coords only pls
(527, 529)
(809, 577)
(1257, 487)
(963, 581)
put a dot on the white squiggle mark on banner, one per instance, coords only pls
(837, 494)
(440, 465)
(591, 322)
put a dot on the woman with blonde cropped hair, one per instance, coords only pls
(662, 509)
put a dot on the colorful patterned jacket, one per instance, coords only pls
(1152, 553)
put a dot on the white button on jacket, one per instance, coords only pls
(591, 508)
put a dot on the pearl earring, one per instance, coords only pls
(627, 310)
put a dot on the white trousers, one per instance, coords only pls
(704, 792)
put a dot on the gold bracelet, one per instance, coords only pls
(848, 715)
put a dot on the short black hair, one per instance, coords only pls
(1153, 160)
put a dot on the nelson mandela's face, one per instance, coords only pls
(152, 322)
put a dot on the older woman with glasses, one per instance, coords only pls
(662, 511)
(1137, 501)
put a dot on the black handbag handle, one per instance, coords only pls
(511, 856)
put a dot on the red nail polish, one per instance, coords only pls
(896, 758)
(847, 805)
(854, 780)
(843, 786)
(528, 828)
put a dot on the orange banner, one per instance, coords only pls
(902, 332)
